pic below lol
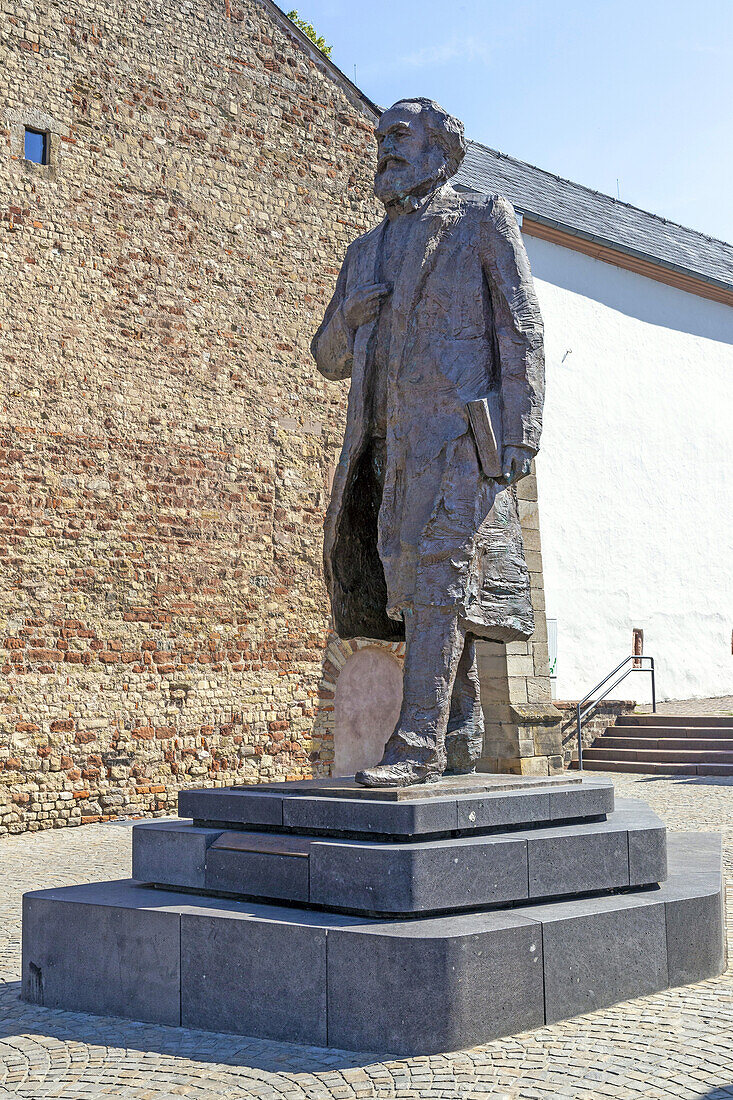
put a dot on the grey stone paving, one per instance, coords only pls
(674, 1044)
(721, 705)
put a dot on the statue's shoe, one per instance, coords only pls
(403, 774)
(463, 743)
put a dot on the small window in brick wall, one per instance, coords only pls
(36, 146)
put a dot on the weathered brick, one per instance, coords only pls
(176, 428)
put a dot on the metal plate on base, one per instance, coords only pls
(274, 844)
(480, 783)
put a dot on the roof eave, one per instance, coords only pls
(616, 246)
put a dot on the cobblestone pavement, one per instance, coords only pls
(722, 705)
(674, 1044)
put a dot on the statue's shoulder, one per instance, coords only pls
(484, 207)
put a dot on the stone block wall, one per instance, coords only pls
(522, 727)
(166, 443)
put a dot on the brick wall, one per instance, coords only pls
(165, 440)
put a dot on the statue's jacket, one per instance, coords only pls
(466, 324)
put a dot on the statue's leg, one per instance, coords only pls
(465, 737)
(415, 753)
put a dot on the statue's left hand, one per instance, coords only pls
(516, 463)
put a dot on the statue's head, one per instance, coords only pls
(418, 145)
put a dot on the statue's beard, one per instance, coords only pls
(398, 179)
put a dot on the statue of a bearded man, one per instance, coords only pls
(435, 320)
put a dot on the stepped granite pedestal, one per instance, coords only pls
(411, 920)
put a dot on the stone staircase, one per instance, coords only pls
(664, 744)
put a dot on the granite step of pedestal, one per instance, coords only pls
(710, 733)
(379, 877)
(301, 809)
(410, 987)
(684, 744)
(688, 720)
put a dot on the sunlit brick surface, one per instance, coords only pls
(166, 442)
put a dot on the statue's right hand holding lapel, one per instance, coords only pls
(362, 306)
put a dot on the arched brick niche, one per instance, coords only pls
(361, 692)
(367, 700)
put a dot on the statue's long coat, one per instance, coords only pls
(465, 324)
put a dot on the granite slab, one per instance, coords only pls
(163, 852)
(261, 874)
(264, 977)
(407, 987)
(448, 785)
(376, 877)
(438, 990)
(105, 949)
(464, 804)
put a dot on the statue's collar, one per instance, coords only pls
(411, 204)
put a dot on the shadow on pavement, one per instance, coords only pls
(20, 1019)
(685, 780)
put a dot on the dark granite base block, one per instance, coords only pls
(577, 862)
(163, 852)
(317, 806)
(408, 987)
(694, 901)
(410, 879)
(107, 948)
(432, 988)
(267, 875)
(252, 807)
(602, 951)
(370, 877)
(269, 976)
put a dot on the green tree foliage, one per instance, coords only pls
(309, 30)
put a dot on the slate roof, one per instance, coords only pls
(558, 202)
(561, 204)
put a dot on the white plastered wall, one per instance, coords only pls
(635, 476)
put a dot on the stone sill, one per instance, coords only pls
(535, 714)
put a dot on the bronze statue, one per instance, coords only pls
(435, 320)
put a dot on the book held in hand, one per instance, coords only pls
(485, 418)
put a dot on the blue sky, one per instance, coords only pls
(635, 90)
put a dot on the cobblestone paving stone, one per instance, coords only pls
(721, 705)
(674, 1044)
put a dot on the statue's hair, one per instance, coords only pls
(446, 129)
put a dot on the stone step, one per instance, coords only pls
(656, 769)
(658, 756)
(674, 720)
(612, 740)
(385, 878)
(419, 986)
(665, 744)
(627, 730)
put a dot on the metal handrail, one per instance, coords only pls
(637, 666)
